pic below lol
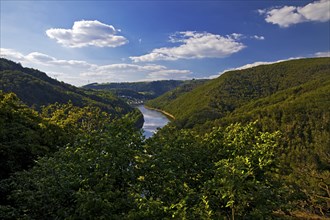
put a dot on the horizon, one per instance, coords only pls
(248, 66)
(140, 41)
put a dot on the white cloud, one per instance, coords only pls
(42, 59)
(169, 74)
(258, 63)
(121, 68)
(250, 65)
(285, 16)
(316, 11)
(39, 58)
(236, 36)
(78, 72)
(72, 64)
(11, 54)
(322, 54)
(258, 37)
(194, 45)
(247, 66)
(132, 72)
(87, 33)
(289, 15)
(262, 11)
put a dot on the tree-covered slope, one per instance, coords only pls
(168, 97)
(220, 97)
(68, 162)
(36, 89)
(138, 90)
(292, 97)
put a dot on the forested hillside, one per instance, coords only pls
(77, 163)
(36, 89)
(292, 97)
(141, 90)
(253, 145)
(222, 96)
(171, 95)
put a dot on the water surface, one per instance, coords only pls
(152, 120)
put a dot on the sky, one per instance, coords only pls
(82, 42)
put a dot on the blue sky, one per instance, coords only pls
(81, 42)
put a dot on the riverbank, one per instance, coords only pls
(170, 116)
(153, 121)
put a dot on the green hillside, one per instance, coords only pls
(138, 90)
(258, 149)
(36, 89)
(291, 97)
(170, 96)
(220, 97)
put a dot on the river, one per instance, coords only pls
(152, 120)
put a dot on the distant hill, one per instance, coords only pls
(36, 89)
(139, 90)
(243, 90)
(173, 94)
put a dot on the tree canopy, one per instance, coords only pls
(252, 144)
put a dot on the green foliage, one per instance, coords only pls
(81, 163)
(75, 120)
(112, 173)
(43, 90)
(92, 178)
(26, 135)
(225, 173)
(23, 135)
(302, 114)
(218, 98)
(243, 183)
(292, 97)
(172, 168)
(138, 92)
(168, 97)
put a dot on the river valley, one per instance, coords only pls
(152, 120)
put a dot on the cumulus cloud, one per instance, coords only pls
(39, 58)
(121, 68)
(194, 45)
(169, 74)
(258, 37)
(236, 36)
(78, 72)
(250, 65)
(316, 11)
(286, 16)
(322, 54)
(11, 54)
(87, 33)
(132, 72)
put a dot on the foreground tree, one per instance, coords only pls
(243, 184)
(227, 173)
(88, 179)
(23, 135)
(108, 171)
(172, 170)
